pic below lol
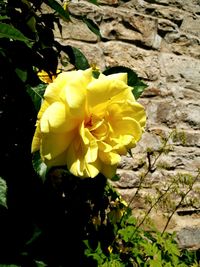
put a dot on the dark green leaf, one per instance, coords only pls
(39, 166)
(22, 74)
(116, 178)
(9, 265)
(133, 79)
(76, 57)
(40, 264)
(8, 31)
(92, 26)
(96, 74)
(139, 89)
(36, 234)
(3, 192)
(59, 9)
(95, 2)
(4, 17)
(36, 94)
(80, 60)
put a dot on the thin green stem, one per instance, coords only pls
(151, 166)
(180, 202)
(154, 204)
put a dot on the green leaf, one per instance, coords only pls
(22, 74)
(95, 74)
(3, 192)
(59, 9)
(139, 89)
(131, 220)
(133, 79)
(36, 234)
(76, 57)
(4, 17)
(9, 265)
(40, 264)
(92, 26)
(115, 178)
(36, 94)
(96, 254)
(8, 31)
(113, 263)
(95, 2)
(39, 166)
(80, 60)
(127, 233)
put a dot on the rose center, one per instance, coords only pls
(97, 126)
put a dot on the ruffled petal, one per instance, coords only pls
(57, 119)
(54, 90)
(102, 90)
(54, 144)
(126, 109)
(92, 170)
(74, 79)
(76, 161)
(122, 76)
(109, 158)
(90, 145)
(35, 146)
(43, 107)
(60, 160)
(125, 130)
(75, 91)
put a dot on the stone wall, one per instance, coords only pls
(160, 40)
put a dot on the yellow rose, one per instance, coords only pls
(87, 123)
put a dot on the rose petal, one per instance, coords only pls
(76, 162)
(102, 90)
(35, 146)
(57, 118)
(54, 144)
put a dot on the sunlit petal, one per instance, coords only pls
(53, 90)
(91, 146)
(116, 76)
(36, 140)
(126, 129)
(60, 160)
(123, 109)
(44, 106)
(57, 118)
(102, 90)
(76, 162)
(109, 158)
(93, 169)
(54, 144)
(75, 91)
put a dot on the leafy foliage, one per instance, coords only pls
(3, 192)
(39, 166)
(36, 94)
(92, 26)
(133, 246)
(8, 31)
